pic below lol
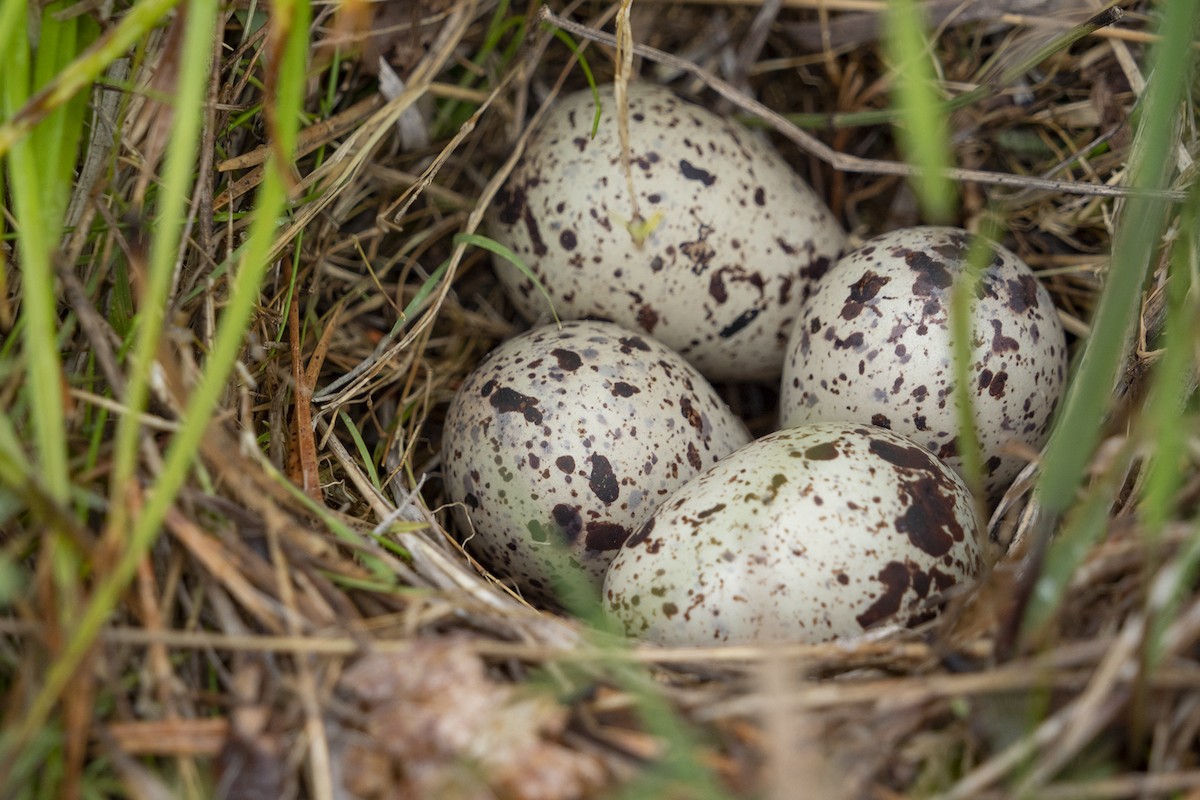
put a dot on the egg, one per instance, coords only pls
(726, 239)
(872, 343)
(808, 534)
(564, 439)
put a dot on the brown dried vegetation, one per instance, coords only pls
(337, 641)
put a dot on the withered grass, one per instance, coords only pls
(307, 623)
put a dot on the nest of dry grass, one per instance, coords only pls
(335, 640)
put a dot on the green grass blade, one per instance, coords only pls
(986, 88)
(1172, 376)
(494, 247)
(37, 233)
(421, 295)
(1076, 432)
(923, 133)
(1086, 525)
(177, 180)
(1171, 424)
(170, 219)
(566, 39)
(59, 133)
(134, 25)
(455, 112)
(962, 304)
(364, 453)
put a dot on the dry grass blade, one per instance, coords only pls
(312, 622)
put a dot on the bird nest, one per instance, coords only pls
(306, 621)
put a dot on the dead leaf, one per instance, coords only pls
(450, 731)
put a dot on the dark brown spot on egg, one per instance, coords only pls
(568, 360)
(670, 610)
(996, 389)
(932, 276)
(826, 451)
(760, 197)
(510, 401)
(929, 521)
(816, 269)
(716, 287)
(565, 463)
(567, 240)
(641, 534)
(647, 317)
(949, 449)
(880, 421)
(942, 580)
(1000, 342)
(785, 290)
(512, 204)
(691, 413)
(955, 247)
(862, 291)
(1022, 293)
(743, 319)
(603, 481)
(569, 522)
(693, 456)
(631, 343)
(852, 342)
(605, 536)
(894, 578)
(920, 582)
(903, 456)
(694, 173)
(535, 235)
(623, 389)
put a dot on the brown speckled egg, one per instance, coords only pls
(872, 344)
(732, 234)
(808, 534)
(563, 440)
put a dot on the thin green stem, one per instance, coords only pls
(36, 234)
(177, 178)
(170, 215)
(136, 23)
(922, 128)
(1076, 431)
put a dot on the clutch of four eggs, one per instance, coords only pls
(725, 257)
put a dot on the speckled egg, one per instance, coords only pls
(808, 534)
(563, 440)
(715, 267)
(872, 344)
